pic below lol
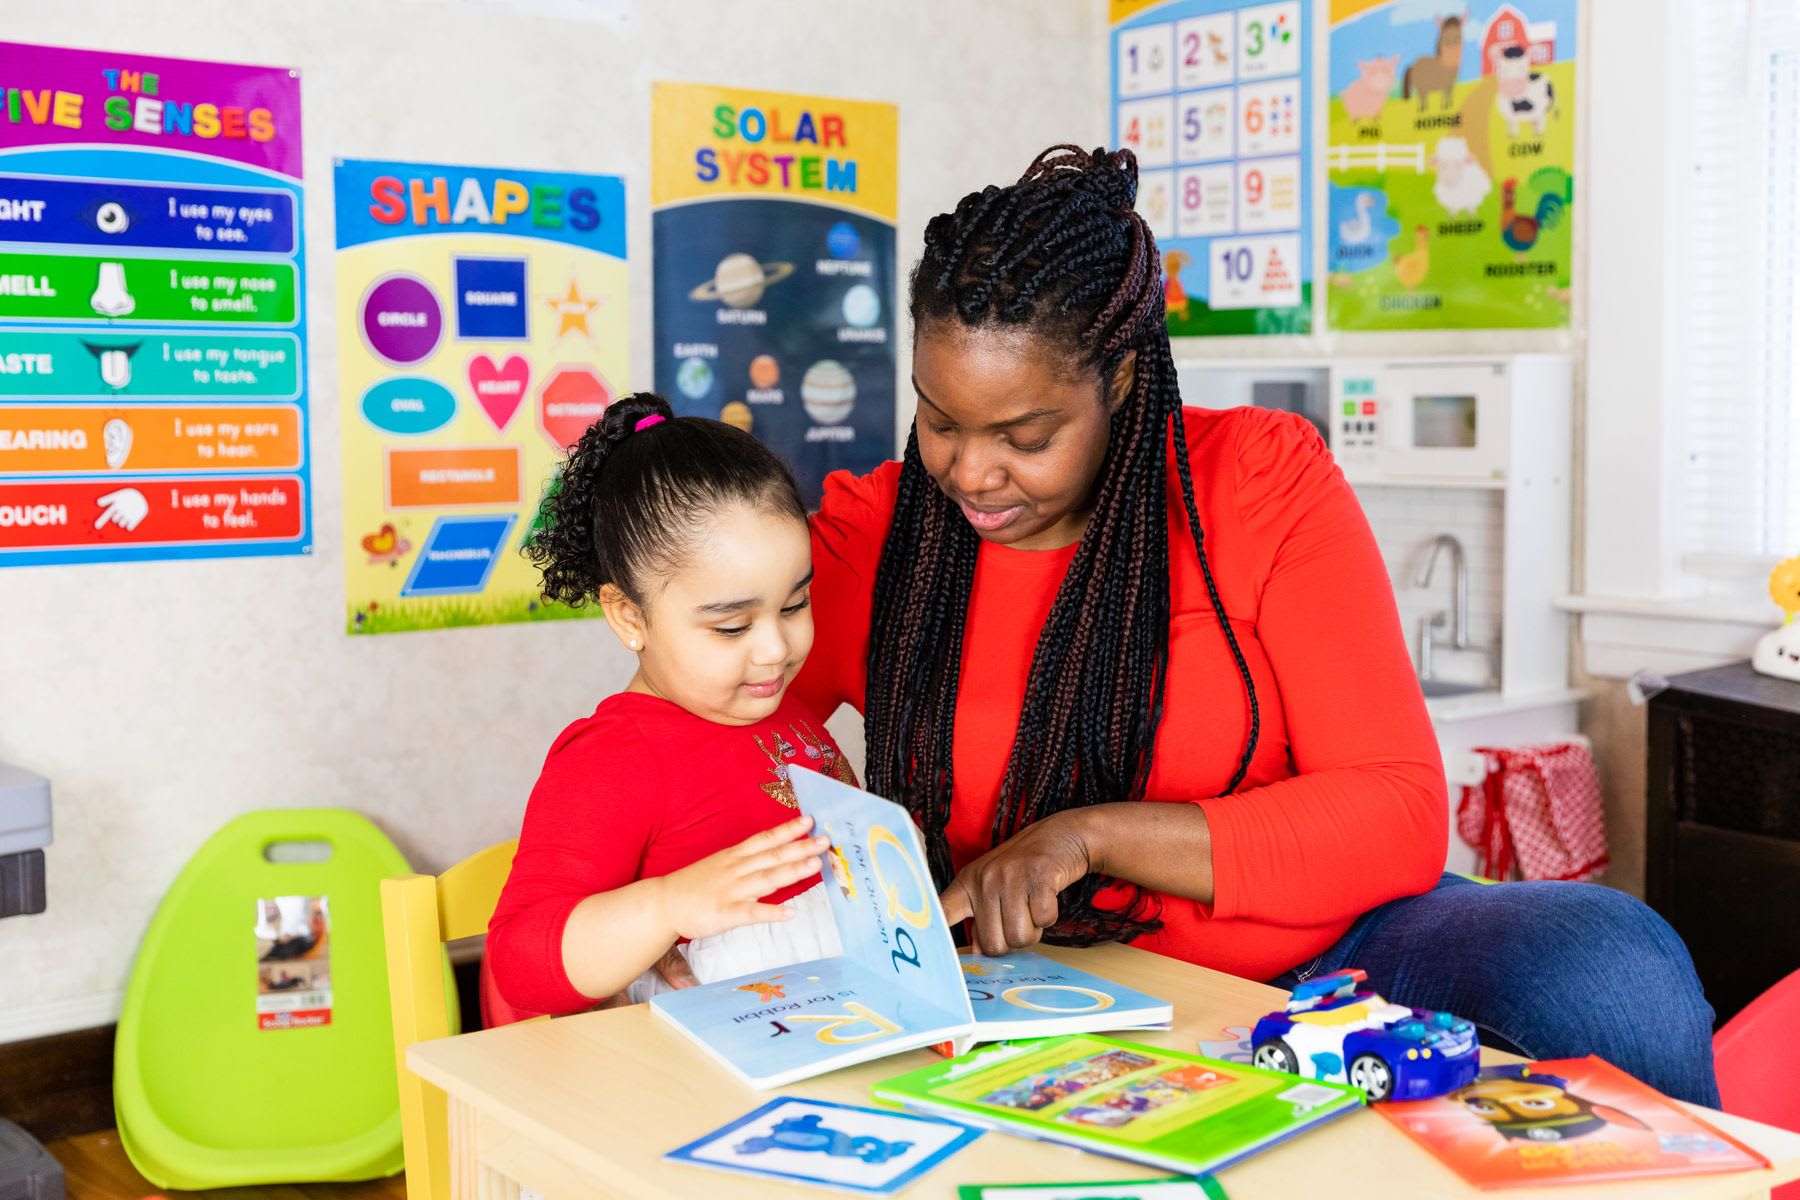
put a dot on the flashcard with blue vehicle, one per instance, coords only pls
(842, 1146)
(1331, 1031)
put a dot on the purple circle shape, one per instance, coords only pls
(402, 321)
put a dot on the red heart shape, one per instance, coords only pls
(499, 389)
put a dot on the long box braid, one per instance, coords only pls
(1063, 254)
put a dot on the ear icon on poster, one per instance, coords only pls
(115, 439)
(110, 298)
(125, 508)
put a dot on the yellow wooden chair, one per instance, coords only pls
(419, 913)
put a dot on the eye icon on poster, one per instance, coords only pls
(111, 218)
(828, 391)
(110, 298)
(740, 280)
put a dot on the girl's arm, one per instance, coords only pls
(613, 937)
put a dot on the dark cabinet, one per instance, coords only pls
(1723, 836)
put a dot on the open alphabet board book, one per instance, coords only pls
(899, 982)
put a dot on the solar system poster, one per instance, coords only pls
(152, 309)
(1214, 97)
(1452, 164)
(481, 329)
(774, 267)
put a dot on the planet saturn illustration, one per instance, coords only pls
(739, 280)
(828, 391)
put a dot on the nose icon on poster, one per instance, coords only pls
(739, 280)
(828, 391)
(111, 298)
(862, 307)
(694, 378)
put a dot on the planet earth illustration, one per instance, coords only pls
(843, 241)
(828, 391)
(694, 377)
(739, 280)
(765, 372)
(862, 307)
(737, 413)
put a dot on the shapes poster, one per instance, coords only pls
(152, 309)
(1213, 96)
(773, 247)
(1452, 164)
(481, 330)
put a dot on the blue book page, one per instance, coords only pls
(881, 894)
(1025, 988)
(799, 1020)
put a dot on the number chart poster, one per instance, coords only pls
(481, 330)
(1451, 160)
(773, 240)
(152, 309)
(1214, 97)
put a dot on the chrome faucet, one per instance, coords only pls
(1459, 602)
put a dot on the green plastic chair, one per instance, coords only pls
(203, 1095)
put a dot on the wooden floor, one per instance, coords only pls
(97, 1169)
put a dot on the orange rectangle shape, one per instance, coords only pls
(91, 439)
(454, 477)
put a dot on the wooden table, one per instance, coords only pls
(587, 1105)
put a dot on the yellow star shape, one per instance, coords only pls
(574, 309)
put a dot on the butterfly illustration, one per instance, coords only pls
(386, 546)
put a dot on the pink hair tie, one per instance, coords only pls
(646, 422)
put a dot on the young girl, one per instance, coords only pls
(667, 817)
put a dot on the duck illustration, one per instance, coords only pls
(1354, 231)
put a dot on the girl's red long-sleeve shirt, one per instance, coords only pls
(638, 790)
(1344, 806)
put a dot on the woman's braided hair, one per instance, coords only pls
(1063, 255)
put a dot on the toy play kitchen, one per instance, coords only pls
(1463, 465)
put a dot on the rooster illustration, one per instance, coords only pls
(1520, 230)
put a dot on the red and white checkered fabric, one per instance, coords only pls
(1539, 809)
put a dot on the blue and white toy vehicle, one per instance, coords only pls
(1333, 1032)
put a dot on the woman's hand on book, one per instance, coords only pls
(1010, 892)
(725, 890)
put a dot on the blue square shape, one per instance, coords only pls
(491, 299)
(459, 555)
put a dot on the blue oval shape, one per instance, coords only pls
(408, 405)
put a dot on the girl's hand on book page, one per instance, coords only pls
(1010, 892)
(724, 890)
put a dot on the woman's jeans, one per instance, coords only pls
(1547, 970)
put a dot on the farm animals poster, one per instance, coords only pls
(1215, 99)
(1450, 163)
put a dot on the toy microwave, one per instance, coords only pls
(1420, 422)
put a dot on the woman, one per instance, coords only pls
(1138, 673)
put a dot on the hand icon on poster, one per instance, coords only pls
(125, 508)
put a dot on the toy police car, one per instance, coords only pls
(1333, 1032)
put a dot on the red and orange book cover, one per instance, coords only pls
(1572, 1120)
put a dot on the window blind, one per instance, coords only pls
(1738, 222)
